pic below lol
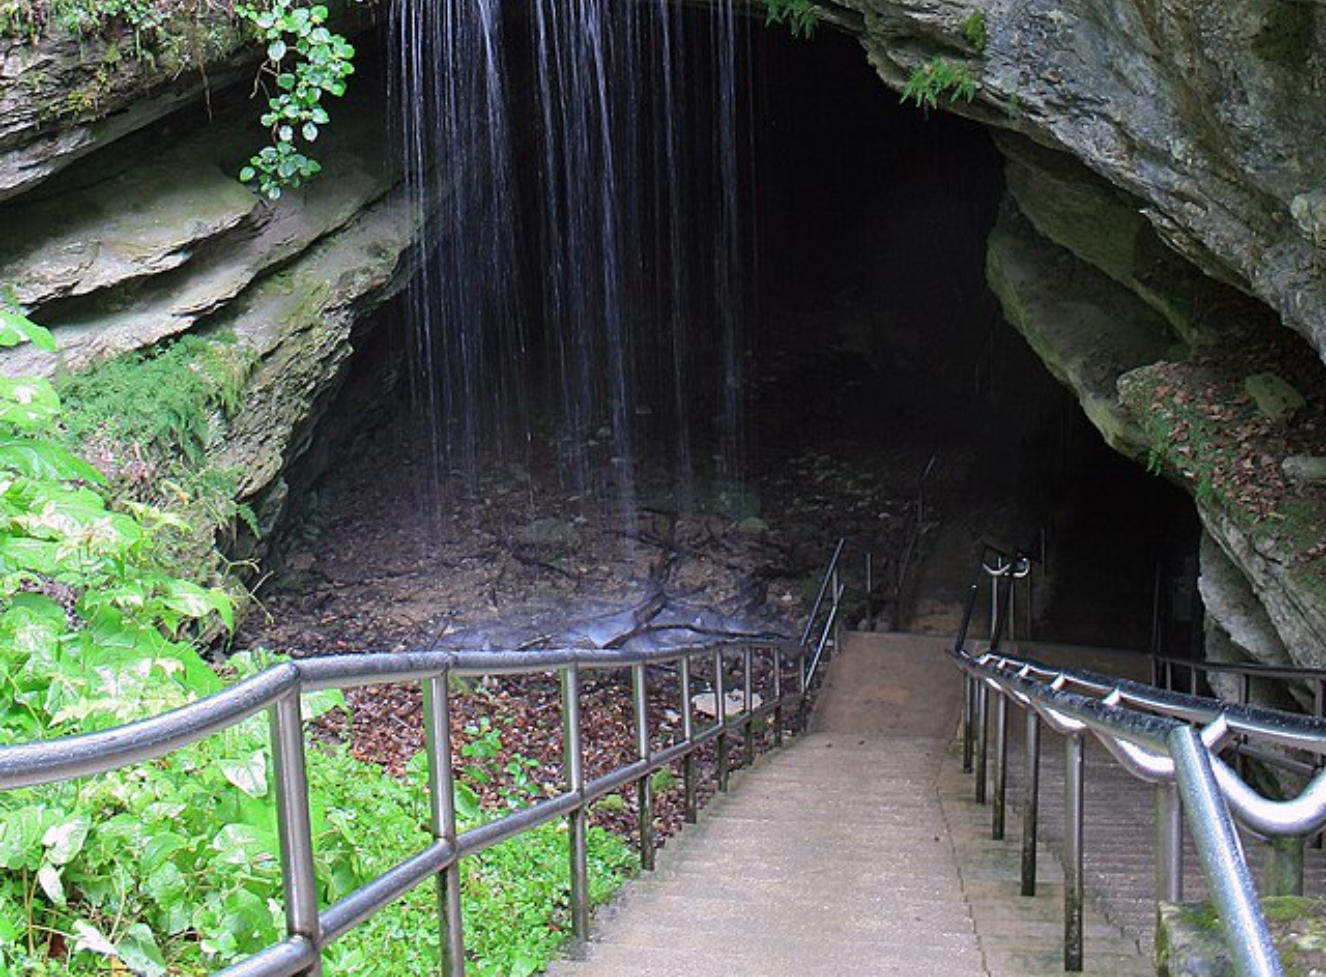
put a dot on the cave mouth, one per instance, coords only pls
(878, 372)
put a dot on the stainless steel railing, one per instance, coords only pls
(1166, 738)
(825, 615)
(786, 666)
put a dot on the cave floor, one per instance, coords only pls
(516, 562)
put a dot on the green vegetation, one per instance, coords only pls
(305, 61)
(1206, 434)
(147, 419)
(172, 866)
(662, 780)
(937, 78)
(84, 18)
(169, 399)
(973, 29)
(800, 16)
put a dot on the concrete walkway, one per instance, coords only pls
(854, 851)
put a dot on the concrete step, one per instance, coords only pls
(854, 851)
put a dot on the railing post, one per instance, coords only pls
(720, 708)
(442, 811)
(688, 735)
(1031, 802)
(1031, 616)
(1169, 843)
(747, 699)
(803, 685)
(982, 708)
(1001, 767)
(994, 598)
(1073, 894)
(1245, 697)
(644, 790)
(1011, 601)
(837, 612)
(1247, 936)
(573, 766)
(1318, 710)
(968, 721)
(778, 694)
(870, 583)
(1284, 869)
(292, 817)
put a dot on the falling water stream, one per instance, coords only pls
(579, 167)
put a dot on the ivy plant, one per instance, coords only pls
(305, 61)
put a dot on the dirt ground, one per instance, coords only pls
(513, 562)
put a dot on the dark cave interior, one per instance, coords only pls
(869, 325)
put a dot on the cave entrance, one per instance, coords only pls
(880, 377)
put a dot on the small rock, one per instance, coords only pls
(1309, 213)
(301, 562)
(549, 533)
(1274, 397)
(752, 526)
(1305, 469)
(705, 703)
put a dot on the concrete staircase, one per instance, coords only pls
(854, 851)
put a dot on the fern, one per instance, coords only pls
(800, 16)
(936, 78)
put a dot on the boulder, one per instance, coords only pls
(1275, 398)
(1306, 470)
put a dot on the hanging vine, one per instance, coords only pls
(305, 61)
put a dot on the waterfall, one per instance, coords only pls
(578, 167)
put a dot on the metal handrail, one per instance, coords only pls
(1162, 737)
(1203, 781)
(828, 586)
(1014, 565)
(832, 587)
(277, 690)
(1162, 674)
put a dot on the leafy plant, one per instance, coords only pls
(322, 60)
(84, 18)
(170, 398)
(172, 866)
(973, 29)
(936, 78)
(662, 780)
(800, 16)
(147, 420)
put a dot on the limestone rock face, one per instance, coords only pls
(1087, 329)
(1158, 355)
(155, 238)
(1211, 114)
(62, 97)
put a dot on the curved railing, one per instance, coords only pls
(783, 668)
(1166, 738)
